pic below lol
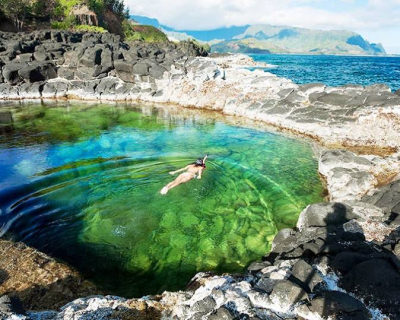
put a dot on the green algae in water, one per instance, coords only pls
(91, 194)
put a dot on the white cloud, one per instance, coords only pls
(363, 16)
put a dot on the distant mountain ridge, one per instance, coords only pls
(274, 39)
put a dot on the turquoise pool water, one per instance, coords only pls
(82, 182)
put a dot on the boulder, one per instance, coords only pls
(71, 58)
(221, 314)
(285, 294)
(88, 73)
(24, 57)
(124, 70)
(377, 281)
(41, 55)
(345, 261)
(338, 305)
(106, 60)
(38, 71)
(325, 214)
(265, 284)
(334, 99)
(56, 89)
(257, 266)
(387, 198)
(66, 73)
(307, 276)
(10, 73)
(31, 90)
(157, 71)
(29, 46)
(9, 91)
(107, 86)
(91, 57)
(284, 240)
(56, 36)
(141, 69)
(204, 306)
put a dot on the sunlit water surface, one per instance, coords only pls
(334, 70)
(82, 184)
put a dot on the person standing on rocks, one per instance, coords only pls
(192, 170)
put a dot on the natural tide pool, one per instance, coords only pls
(81, 183)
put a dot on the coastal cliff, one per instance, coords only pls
(342, 259)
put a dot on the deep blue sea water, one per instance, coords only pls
(334, 70)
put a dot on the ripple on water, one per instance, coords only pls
(94, 199)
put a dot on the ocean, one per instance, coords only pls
(334, 70)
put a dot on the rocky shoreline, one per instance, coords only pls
(342, 259)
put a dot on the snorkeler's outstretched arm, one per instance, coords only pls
(176, 171)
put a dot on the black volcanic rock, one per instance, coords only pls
(339, 306)
(43, 55)
(377, 281)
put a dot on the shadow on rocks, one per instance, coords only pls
(328, 268)
(3, 276)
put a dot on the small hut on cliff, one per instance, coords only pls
(84, 15)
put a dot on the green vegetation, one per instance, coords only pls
(94, 16)
(205, 46)
(16, 11)
(134, 32)
(86, 28)
(59, 13)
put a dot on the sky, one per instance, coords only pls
(376, 20)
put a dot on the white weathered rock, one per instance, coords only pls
(350, 176)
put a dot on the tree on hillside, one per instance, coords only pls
(16, 10)
(116, 6)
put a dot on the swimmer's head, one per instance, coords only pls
(199, 163)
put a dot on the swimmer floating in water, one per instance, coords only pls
(196, 168)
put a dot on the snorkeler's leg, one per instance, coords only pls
(170, 186)
(179, 180)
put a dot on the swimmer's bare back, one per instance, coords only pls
(190, 172)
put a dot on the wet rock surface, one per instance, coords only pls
(34, 281)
